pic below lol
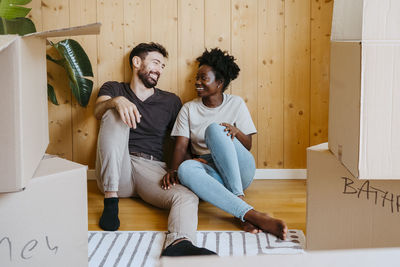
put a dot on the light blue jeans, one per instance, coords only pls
(229, 171)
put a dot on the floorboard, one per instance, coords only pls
(284, 199)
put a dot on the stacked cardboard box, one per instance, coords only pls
(46, 224)
(43, 200)
(353, 188)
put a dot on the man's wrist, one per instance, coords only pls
(112, 103)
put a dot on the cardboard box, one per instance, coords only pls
(46, 224)
(24, 134)
(339, 258)
(366, 20)
(344, 212)
(364, 108)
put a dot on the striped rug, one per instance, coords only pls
(131, 248)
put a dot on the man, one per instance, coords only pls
(135, 118)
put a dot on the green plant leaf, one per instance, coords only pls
(52, 94)
(77, 64)
(58, 62)
(19, 26)
(82, 90)
(11, 9)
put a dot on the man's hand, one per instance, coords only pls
(169, 179)
(127, 111)
(232, 130)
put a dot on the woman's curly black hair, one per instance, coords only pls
(222, 63)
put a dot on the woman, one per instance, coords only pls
(219, 129)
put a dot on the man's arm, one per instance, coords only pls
(127, 110)
(103, 103)
(171, 177)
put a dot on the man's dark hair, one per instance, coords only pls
(222, 63)
(142, 49)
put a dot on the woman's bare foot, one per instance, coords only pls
(267, 223)
(247, 226)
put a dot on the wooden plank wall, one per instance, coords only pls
(281, 46)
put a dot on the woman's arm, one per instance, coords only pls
(171, 177)
(232, 131)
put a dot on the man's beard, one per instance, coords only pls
(147, 81)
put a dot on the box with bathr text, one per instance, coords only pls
(344, 212)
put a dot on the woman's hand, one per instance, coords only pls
(169, 179)
(232, 130)
(235, 132)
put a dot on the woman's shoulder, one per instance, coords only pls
(193, 103)
(233, 99)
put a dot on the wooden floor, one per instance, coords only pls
(284, 199)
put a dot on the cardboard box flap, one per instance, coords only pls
(366, 19)
(380, 111)
(347, 20)
(321, 147)
(88, 29)
(6, 40)
(55, 165)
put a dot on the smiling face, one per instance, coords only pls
(206, 82)
(151, 68)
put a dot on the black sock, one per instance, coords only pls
(185, 248)
(109, 220)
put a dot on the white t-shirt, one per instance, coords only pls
(194, 118)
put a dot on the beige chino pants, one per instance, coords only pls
(131, 176)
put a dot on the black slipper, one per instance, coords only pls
(185, 248)
(109, 220)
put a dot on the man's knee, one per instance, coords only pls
(111, 116)
(112, 130)
(185, 196)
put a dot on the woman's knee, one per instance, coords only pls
(214, 129)
(186, 171)
(247, 174)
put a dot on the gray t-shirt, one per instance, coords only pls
(195, 117)
(158, 112)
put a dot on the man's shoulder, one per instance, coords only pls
(112, 88)
(168, 95)
(113, 84)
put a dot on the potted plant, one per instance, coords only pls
(72, 57)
